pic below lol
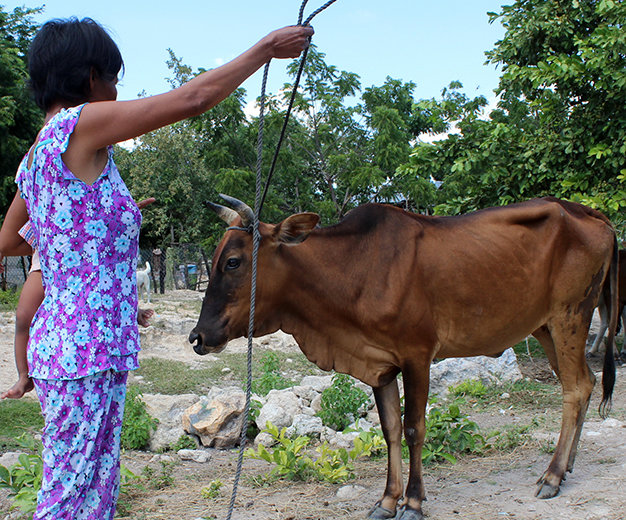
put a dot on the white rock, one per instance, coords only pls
(200, 456)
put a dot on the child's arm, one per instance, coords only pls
(11, 243)
(30, 299)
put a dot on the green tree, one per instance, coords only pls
(567, 61)
(20, 119)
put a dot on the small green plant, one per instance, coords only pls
(270, 378)
(369, 443)
(184, 442)
(213, 490)
(23, 479)
(255, 409)
(138, 424)
(469, 388)
(341, 403)
(159, 479)
(290, 459)
(448, 432)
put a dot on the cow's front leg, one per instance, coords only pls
(416, 380)
(388, 404)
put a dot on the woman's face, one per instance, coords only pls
(103, 90)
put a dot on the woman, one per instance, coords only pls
(84, 339)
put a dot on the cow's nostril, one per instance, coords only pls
(193, 337)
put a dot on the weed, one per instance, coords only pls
(159, 479)
(291, 461)
(23, 479)
(523, 394)
(448, 432)
(547, 447)
(369, 443)
(341, 403)
(184, 442)
(137, 425)
(213, 490)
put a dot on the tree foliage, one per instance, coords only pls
(560, 125)
(20, 119)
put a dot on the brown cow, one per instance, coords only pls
(386, 291)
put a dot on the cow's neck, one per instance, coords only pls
(319, 310)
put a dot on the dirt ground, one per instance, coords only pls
(482, 488)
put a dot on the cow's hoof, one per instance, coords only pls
(407, 513)
(545, 490)
(379, 512)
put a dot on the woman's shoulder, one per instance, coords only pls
(60, 126)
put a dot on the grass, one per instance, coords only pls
(9, 299)
(523, 394)
(16, 417)
(533, 347)
(176, 377)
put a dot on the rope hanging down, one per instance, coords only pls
(256, 238)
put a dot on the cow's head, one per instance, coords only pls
(226, 305)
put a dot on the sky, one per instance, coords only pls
(428, 42)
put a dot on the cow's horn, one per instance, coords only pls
(226, 214)
(245, 212)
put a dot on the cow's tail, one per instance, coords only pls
(611, 299)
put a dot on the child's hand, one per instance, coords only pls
(143, 317)
(23, 385)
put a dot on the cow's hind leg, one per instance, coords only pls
(565, 347)
(388, 404)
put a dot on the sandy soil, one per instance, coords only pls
(493, 487)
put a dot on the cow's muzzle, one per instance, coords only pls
(197, 339)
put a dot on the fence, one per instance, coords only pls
(181, 266)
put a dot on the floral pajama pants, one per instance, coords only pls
(81, 446)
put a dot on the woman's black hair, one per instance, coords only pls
(62, 56)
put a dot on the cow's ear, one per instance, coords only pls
(296, 228)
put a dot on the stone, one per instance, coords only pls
(350, 492)
(217, 418)
(488, 370)
(168, 409)
(280, 408)
(305, 425)
(200, 456)
(319, 383)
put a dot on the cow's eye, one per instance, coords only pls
(232, 263)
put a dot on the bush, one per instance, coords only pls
(449, 432)
(137, 425)
(341, 403)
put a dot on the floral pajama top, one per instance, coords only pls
(87, 237)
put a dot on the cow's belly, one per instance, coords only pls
(487, 330)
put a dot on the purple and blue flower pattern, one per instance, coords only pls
(87, 237)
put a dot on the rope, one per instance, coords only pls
(256, 237)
